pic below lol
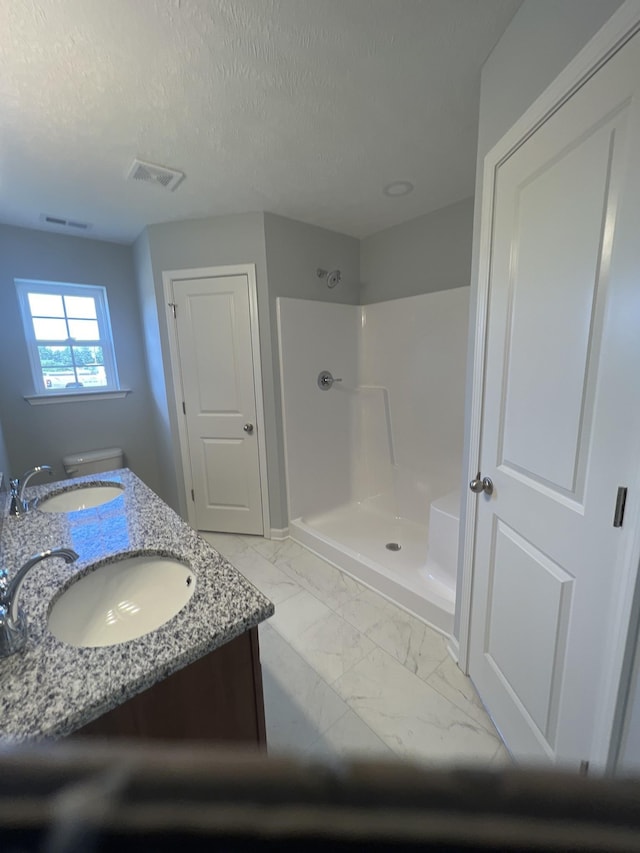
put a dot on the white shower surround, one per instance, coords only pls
(373, 459)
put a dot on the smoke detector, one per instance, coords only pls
(151, 173)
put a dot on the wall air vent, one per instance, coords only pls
(59, 222)
(151, 173)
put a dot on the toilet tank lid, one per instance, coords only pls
(91, 456)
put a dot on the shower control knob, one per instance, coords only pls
(481, 484)
(248, 428)
(326, 380)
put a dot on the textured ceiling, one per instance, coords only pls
(305, 108)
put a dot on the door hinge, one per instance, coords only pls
(621, 500)
(193, 496)
(184, 408)
(174, 308)
(584, 768)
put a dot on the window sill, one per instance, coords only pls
(75, 397)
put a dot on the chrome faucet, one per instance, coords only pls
(18, 504)
(13, 627)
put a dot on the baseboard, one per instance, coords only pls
(279, 533)
(453, 647)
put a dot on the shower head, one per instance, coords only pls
(334, 277)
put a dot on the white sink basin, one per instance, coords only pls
(83, 497)
(121, 601)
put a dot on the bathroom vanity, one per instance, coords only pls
(197, 676)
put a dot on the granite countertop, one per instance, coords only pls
(50, 689)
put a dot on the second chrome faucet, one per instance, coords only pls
(13, 629)
(18, 504)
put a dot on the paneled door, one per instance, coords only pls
(560, 419)
(216, 363)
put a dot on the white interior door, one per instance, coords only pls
(560, 423)
(213, 330)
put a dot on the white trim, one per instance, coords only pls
(78, 397)
(168, 278)
(98, 293)
(279, 533)
(257, 383)
(453, 648)
(610, 38)
(181, 453)
(282, 409)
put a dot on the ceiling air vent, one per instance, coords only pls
(151, 173)
(59, 222)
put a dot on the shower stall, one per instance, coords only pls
(373, 458)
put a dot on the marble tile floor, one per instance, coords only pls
(346, 672)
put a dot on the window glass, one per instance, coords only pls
(82, 307)
(46, 305)
(55, 356)
(84, 330)
(50, 330)
(68, 336)
(56, 365)
(89, 363)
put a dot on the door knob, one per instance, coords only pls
(481, 484)
(248, 428)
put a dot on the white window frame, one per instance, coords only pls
(99, 294)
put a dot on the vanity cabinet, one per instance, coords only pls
(218, 698)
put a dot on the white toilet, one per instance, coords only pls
(93, 461)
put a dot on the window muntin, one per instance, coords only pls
(69, 338)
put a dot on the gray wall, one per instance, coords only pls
(541, 40)
(629, 755)
(43, 434)
(432, 252)
(294, 252)
(159, 410)
(286, 254)
(214, 241)
(5, 468)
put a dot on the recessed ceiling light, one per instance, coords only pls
(398, 188)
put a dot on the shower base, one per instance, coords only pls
(354, 537)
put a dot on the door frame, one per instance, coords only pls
(168, 279)
(618, 30)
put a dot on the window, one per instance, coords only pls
(68, 336)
